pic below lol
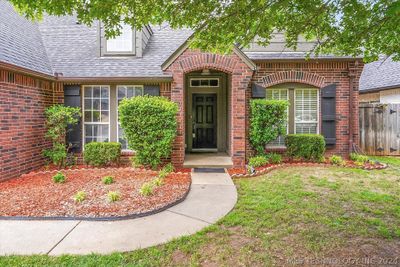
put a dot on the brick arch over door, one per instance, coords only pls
(292, 77)
(240, 77)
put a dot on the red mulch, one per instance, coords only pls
(36, 194)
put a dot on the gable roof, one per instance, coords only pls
(20, 41)
(381, 74)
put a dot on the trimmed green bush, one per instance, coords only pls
(150, 126)
(274, 158)
(305, 146)
(267, 122)
(258, 161)
(108, 180)
(337, 160)
(358, 157)
(59, 178)
(102, 153)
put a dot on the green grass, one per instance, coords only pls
(287, 214)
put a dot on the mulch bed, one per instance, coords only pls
(242, 172)
(36, 195)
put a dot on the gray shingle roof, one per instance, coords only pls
(73, 50)
(380, 74)
(20, 42)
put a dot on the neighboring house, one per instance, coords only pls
(380, 82)
(61, 61)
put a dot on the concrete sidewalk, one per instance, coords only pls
(211, 197)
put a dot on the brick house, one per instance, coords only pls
(59, 60)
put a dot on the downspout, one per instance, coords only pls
(352, 75)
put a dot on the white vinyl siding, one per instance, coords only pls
(278, 94)
(306, 110)
(124, 43)
(126, 91)
(96, 113)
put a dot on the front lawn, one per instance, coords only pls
(293, 215)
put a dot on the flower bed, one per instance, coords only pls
(36, 195)
(237, 172)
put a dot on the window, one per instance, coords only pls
(126, 91)
(122, 44)
(204, 82)
(96, 114)
(303, 112)
(306, 110)
(278, 94)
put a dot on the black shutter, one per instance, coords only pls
(328, 113)
(153, 90)
(257, 91)
(72, 98)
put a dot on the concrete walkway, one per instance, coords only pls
(211, 197)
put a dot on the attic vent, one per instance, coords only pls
(78, 22)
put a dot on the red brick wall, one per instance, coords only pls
(320, 74)
(240, 74)
(22, 123)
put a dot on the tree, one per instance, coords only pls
(344, 27)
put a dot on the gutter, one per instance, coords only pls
(114, 79)
(26, 71)
(375, 90)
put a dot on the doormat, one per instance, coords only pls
(210, 170)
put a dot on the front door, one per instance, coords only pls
(204, 121)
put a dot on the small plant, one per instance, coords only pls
(169, 168)
(59, 178)
(146, 189)
(108, 180)
(80, 196)
(162, 174)
(158, 181)
(274, 158)
(258, 161)
(113, 196)
(337, 160)
(358, 158)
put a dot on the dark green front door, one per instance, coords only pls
(204, 121)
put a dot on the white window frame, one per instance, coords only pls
(107, 52)
(94, 123)
(202, 79)
(287, 113)
(116, 105)
(318, 109)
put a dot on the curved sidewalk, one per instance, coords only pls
(211, 197)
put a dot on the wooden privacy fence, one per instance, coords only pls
(380, 129)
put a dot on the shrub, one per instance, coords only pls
(358, 157)
(146, 189)
(80, 196)
(58, 117)
(274, 158)
(258, 161)
(59, 178)
(113, 196)
(337, 160)
(267, 122)
(102, 153)
(305, 146)
(149, 125)
(108, 180)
